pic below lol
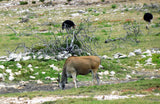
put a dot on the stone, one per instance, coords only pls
(131, 54)
(138, 51)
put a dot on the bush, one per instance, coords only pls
(23, 2)
(1, 0)
(114, 6)
(69, 0)
(33, 2)
(102, 0)
(41, 0)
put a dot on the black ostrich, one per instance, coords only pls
(148, 17)
(68, 24)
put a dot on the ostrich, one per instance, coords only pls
(148, 17)
(68, 24)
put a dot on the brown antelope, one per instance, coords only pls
(82, 65)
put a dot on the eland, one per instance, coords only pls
(82, 65)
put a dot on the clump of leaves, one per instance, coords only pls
(23, 2)
(114, 6)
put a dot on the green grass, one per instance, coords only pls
(144, 100)
(137, 87)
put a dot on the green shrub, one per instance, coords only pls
(23, 2)
(41, 0)
(33, 2)
(102, 0)
(69, 0)
(1, 0)
(114, 6)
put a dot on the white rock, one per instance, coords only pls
(43, 72)
(131, 54)
(75, 15)
(106, 72)
(39, 82)
(119, 55)
(29, 66)
(2, 78)
(2, 67)
(148, 53)
(101, 67)
(81, 11)
(8, 70)
(143, 56)
(3, 58)
(32, 77)
(11, 78)
(138, 51)
(19, 65)
(54, 67)
(18, 73)
(48, 78)
(40, 57)
(26, 58)
(53, 79)
(36, 73)
(31, 69)
(128, 76)
(148, 61)
(112, 73)
(47, 57)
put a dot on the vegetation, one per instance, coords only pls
(97, 24)
(23, 2)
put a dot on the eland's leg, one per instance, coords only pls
(74, 79)
(97, 79)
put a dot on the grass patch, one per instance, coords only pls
(137, 87)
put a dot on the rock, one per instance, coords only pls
(48, 78)
(32, 77)
(2, 78)
(81, 11)
(43, 72)
(2, 67)
(18, 73)
(148, 53)
(112, 73)
(19, 65)
(106, 72)
(29, 66)
(11, 78)
(128, 76)
(9, 71)
(119, 55)
(54, 67)
(39, 82)
(46, 57)
(26, 58)
(138, 51)
(75, 15)
(3, 58)
(40, 57)
(131, 54)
